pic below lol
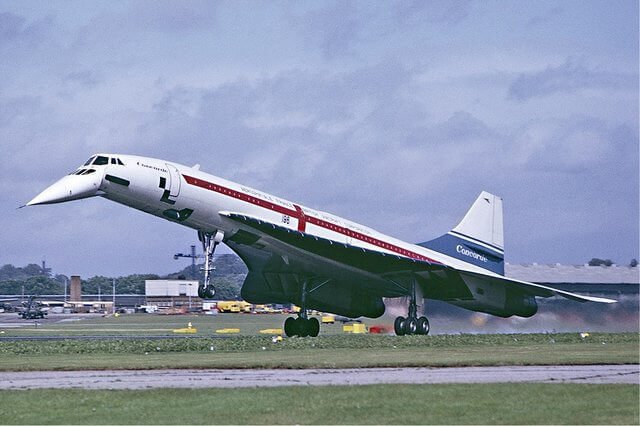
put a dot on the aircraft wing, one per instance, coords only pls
(537, 289)
(369, 261)
(440, 281)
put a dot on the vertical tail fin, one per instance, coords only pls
(478, 238)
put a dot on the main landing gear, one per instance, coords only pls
(302, 326)
(412, 324)
(209, 244)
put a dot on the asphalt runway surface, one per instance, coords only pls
(148, 379)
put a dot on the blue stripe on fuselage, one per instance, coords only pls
(468, 251)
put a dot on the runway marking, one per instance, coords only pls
(236, 378)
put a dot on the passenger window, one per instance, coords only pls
(89, 161)
(101, 161)
(120, 162)
(113, 161)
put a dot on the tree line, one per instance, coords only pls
(32, 279)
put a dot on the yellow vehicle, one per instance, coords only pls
(328, 319)
(295, 309)
(245, 306)
(262, 309)
(228, 306)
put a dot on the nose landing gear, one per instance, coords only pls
(209, 244)
(412, 324)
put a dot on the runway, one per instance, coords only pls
(149, 379)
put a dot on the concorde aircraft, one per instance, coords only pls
(314, 259)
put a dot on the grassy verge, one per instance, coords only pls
(258, 343)
(327, 352)
(377, 404)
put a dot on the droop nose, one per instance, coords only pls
(71, 187)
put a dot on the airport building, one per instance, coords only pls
(603, 280)
(167, 294)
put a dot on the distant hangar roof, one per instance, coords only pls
(582, 274)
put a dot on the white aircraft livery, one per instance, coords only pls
(312, 258)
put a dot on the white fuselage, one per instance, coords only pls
(207, 196)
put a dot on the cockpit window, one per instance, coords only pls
(113, 160)
(120, 162)
(83, 172)
(101, 161)
(89, 161)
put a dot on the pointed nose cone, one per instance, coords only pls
(72, 187)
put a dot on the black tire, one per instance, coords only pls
(313, 327)
(398, 326)
(209, 292)
(290, 327)
(301, 327)
(201, 292)
(423, 326)
(410, 326)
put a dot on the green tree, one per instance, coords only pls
(600, 262)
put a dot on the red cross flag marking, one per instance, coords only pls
(302, 218)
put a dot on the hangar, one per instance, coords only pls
(172, 294)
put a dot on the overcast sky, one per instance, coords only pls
(392, 114)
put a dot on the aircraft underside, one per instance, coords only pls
(281, 271)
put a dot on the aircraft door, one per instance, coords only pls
(174, 180)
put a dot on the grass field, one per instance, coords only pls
(372, 404)
(252, 350)
(341, 351)
(161, 325)
(450, 403)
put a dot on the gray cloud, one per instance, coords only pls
(335, 28)
(172, 16)
(569, 77)
(437, 11)
(546, 17)
(15, 29)
(359, 129)
(85, 78)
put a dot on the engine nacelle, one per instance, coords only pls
(520, 304)
(334, 297)
(495, 299)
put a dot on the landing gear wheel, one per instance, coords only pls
(301, 327)
(410, 326)
(423, 326)
(398, 326)
(313, 327)
(205, 292)
(290, 327)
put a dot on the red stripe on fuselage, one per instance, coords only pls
(303, 219)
